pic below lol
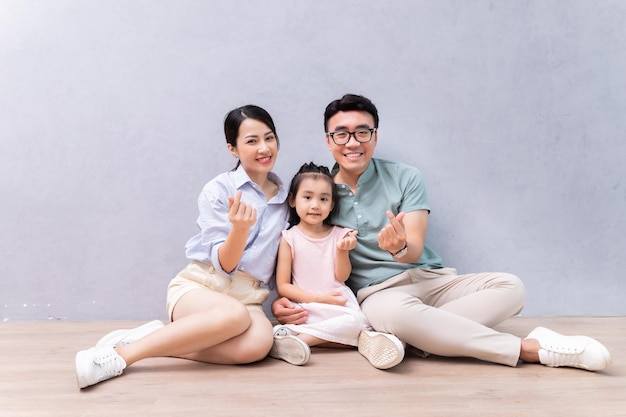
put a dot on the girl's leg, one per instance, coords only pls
(316, 341)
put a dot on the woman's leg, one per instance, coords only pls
(207, 326)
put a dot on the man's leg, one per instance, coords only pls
(453, 328)
(486, 298)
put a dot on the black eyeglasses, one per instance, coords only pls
(360, 135)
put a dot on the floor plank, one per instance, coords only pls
(38, 379)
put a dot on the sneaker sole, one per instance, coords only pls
(83, 360)
(381, 350)
(111, 339)
(290, 349)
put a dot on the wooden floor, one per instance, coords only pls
(38, 379)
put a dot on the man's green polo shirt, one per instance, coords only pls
(384, 185)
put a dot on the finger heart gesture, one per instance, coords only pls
(392, 237)
(240, 213)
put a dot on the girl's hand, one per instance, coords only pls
(334, 297)
(240, 214)
(348, 242)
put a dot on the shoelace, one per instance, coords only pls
(110, 365)
(564, 356)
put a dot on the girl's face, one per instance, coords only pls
(313, 201)
(257, 148)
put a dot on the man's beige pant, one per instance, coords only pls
(446, 314)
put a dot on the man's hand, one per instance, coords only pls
(288, 313)
(392, 237)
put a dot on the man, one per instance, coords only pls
(402, 285)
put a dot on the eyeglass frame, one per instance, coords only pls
(352, 134)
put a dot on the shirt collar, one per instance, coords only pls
(365, 176)
(241, 178)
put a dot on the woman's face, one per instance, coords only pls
(257, 148)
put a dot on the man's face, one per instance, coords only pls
(354, 157)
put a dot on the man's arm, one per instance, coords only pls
(405, 230)
(287, 312)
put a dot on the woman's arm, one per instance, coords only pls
(242, 216)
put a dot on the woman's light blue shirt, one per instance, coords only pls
(259, 256)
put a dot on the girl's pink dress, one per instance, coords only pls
(313, 269)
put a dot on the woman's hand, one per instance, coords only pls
(240, 214)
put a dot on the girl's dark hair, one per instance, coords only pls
(310, 170)
(235, 117)
(350, 102)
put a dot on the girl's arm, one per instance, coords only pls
(343, 267)
(242, 216)
(285, 288)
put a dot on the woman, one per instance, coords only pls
(215, 303)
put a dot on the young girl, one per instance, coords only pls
(215, 302)
(313, 265)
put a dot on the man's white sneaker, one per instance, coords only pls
(382, 350)
(125, 336)
(572, 351)
(289, 348)
(98, 364)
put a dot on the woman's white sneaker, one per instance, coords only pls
(572, 351)
(126, 336)
(98, 364)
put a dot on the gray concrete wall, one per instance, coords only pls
(111, 122)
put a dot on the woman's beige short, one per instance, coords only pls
(200, 275)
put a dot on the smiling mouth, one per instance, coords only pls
(265, 159)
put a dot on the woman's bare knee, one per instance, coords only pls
(256, 342)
